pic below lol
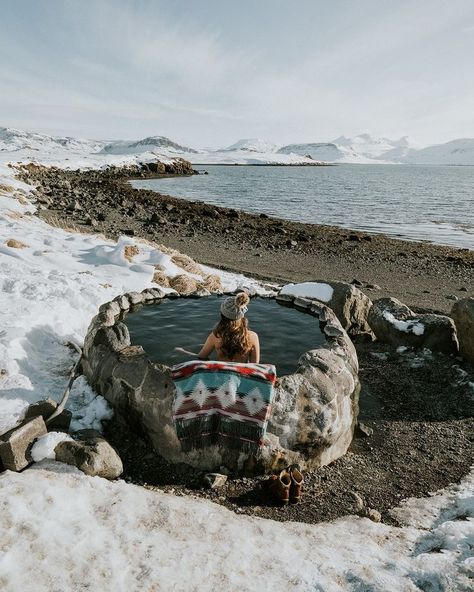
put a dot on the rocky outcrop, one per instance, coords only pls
(463, 315)
(394, 323)
(350, 304)
(90, 453)
(315, 408)
(314, 413)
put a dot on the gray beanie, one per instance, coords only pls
(235, 307)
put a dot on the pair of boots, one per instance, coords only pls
(287, 486)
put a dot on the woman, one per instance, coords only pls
(231, 338)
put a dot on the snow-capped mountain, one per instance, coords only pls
(374, 148)
(252, 145)
(316, 151)
(360, 149)
(14, 140)
(149, 144)
(459, 152)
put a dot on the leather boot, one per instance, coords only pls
(296, 487)
(279, 486)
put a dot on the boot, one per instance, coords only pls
(279, 486)
(296, 486)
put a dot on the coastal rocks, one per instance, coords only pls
(314, 414)
(90, 453)
(394, 323)
(463, 315)
(350, 305)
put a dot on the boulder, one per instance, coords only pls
(16, 444)
(350, 305)
(463, 315)
(90, 453)
(394, 323)
(45, 408)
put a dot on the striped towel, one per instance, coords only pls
(225, 403)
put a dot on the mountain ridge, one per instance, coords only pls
(362, 149)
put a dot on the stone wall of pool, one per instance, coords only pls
(313, 414)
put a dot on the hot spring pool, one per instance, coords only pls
(285, 333)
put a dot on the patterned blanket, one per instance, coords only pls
(224, 403)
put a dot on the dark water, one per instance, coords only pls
(433, 203)
(284, 333)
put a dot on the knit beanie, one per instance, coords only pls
(235, 307)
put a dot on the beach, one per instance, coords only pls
(422, 275)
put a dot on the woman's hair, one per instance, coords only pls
(234, 334)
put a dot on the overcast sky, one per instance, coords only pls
(210, 72)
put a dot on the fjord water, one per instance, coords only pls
(285, 333)
(433, 203)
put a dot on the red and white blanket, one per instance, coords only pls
(225, 403)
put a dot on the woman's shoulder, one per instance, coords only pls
(253, 336)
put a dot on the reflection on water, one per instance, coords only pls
(285, 333)
(434, 203)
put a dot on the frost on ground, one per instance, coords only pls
(49, 291)
(68, 531)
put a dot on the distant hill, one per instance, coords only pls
(252, 145)
(459, 152)
(149, 144)
(322, 151)
(13, 140)
(360, 149)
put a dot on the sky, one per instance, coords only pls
(209, 72)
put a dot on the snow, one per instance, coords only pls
(62, 530)
(413, 326)
(49, 291)
(316, 290)
(44, 446)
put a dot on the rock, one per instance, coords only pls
(463, 315)
(214, 480)
(15, 445)
(394, 323)
(315, 409)
(90, 453)
(45, 408)
(451, 297)
(374, 515)
(356, 282)
(358, 501)
(350, 305)
(364, 430)
(135, 298)
(354, 237)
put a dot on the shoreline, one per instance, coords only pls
(420, 274)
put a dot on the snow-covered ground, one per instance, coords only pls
(63, 531)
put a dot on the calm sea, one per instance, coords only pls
(433, 203)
